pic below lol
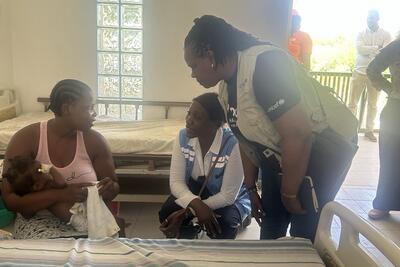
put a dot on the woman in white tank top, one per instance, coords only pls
(79, 153)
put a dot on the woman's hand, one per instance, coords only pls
(170, 227)
(105, 185)
(76, 192)
(206, 217)
(257, 210)
(292, 205)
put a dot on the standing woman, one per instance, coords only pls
(387, 195)
(279, 117)
(77, 152)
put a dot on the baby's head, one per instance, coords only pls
(25, 175)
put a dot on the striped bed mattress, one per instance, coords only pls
(162, 252)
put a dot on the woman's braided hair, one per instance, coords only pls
(210, 102)
(67, 91)
(215, 34)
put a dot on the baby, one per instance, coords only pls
(26, 175)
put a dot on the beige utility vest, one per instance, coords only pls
(252, 120)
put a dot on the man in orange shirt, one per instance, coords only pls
(300, 43)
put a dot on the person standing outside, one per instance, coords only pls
(300, 43)
(387, 197)
(368, 44)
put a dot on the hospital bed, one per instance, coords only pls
(140, 148)
(294, 252)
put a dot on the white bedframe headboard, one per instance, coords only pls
(9, 104)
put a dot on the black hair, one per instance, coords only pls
(19, 174)
(215, 34)
(67, 91)
(210, 102)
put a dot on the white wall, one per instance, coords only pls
(56, 39)
(167, 22)
(51, 40)
(5, 46)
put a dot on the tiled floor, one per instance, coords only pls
(357, 193)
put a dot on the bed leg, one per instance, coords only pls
(152, 165)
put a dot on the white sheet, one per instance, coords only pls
(140, 137)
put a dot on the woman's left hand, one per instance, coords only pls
(105, 185)
(292, 205)
(170, 227)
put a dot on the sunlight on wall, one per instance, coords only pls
(329, 18)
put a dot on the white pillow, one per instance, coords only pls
(4, 101)
(6, 97)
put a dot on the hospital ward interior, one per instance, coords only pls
(199, 133)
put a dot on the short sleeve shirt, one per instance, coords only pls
(274, 86)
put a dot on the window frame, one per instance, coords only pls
(104, 109)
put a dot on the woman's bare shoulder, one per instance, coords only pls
(32, 130)
(25, 140)
(95, 142)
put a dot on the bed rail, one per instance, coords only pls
(137, 103)
(349, 251)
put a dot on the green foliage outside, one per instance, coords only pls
(333, 55)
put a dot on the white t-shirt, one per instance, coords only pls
(232, 178)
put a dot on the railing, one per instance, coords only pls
(136, 103)
(139, 103)
(340, 82)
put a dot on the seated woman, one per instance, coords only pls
(77, 152)
(26, 175)
(206, 176)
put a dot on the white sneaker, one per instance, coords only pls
(79, 222)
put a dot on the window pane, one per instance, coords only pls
(108, 86)
(132, 40)
(108, 39)
(132, 87)
(108, 63)
(128, 112)
(140, 113)
(131, 16)
(132, 1)
(113, 111)
(101, 109)
(107, 15)
(132, 64)
(119, 56)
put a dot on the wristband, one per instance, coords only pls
(252, 189)
(288, 195)
(190, 211)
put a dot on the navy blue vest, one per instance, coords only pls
(214, 182)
